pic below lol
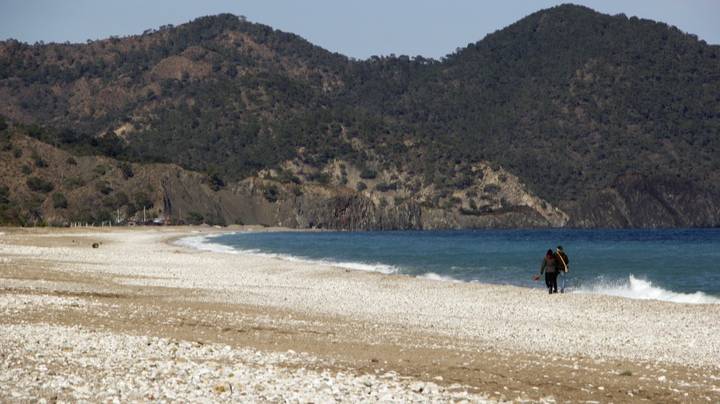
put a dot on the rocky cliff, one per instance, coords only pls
(46, 185)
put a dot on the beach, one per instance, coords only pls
(148, 317)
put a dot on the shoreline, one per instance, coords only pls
(476, 338)
(655, 293)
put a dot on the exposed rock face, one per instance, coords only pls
(356, 212)
(98, 189)
(515, 217)
(633, 202)
(317, 207)
(343, 209)
(637, 201)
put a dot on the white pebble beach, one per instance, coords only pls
(145, 317)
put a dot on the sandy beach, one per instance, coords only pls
(145, 318)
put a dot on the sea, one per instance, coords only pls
(677, 265)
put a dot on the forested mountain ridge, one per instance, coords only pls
(595, 120)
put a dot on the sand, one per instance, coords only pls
(94, 324)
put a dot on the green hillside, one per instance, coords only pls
(589, 111)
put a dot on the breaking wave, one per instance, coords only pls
(204, 243)
(635, 288)
(437, 277)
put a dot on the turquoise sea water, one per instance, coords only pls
(675, 265)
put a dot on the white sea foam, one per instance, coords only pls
(359, 266)
(437, 277)
(204, 243)
(355, 266)
(635, 288)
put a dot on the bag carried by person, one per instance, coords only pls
(563, 258)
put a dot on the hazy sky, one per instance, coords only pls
(359, 28)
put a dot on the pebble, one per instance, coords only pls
(488, 317)
(109, 367)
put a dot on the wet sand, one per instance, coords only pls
(144, 318)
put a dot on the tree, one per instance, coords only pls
(103, 187)
(368, 173)
(216, 182)
(59, 201)
(271, 193)
(195, 218)
(4, 194)
(141, 200)
(126, 169)
(37, 184)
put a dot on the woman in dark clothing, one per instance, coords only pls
(549, 267)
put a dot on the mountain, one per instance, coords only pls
(566, 118)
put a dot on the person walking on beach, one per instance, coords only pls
(549, 267)
(563, 263)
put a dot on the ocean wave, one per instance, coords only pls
(355, 266)
(204, 243)
(437, 277)
(359, 266)
(635, 288)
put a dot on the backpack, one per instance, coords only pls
(563, 259)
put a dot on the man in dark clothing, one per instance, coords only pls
(563, 265)
(549, 267)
